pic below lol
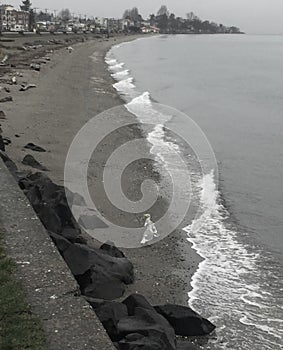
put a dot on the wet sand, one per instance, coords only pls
(71, 89)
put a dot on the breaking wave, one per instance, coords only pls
(232, 287)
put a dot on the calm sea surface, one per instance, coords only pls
(232, 87)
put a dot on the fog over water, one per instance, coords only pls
(252, 16)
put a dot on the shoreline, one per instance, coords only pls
(40, 115)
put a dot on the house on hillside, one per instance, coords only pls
(150, 29)
(12, 19)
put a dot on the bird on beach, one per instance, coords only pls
(151, 232)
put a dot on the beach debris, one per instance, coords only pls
(32, 162)
(35, 66)
(5, 59)
(70, 49)
(27, 87)
(151, 232)
(7, 141)
(185, 321)
(2, 144)
(34, 147)
(14, 80)
(17, 135)
(6, 99)
(2, 115)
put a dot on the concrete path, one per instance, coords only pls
(51, 290)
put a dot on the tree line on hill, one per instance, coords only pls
(169, 23)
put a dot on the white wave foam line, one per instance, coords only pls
(111, 61)
(121, 75)
(227, 276)
(165, 151)
(125, 86)
(116, 67)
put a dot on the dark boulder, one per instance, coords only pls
(32, 162)
(149, 324)
(34, 147)
(110, 249)
(61, 243)
(101, 276)
(50, 219)
(185, 321)
(143, 319)
(73, 235)
(99, 272)
(137, 300)
(42, 192)
(110, 313)
(137, 341)
(95, 302)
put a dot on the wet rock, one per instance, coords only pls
(110, 249)
(32, 162)
(137, 300)
(100, 276)
(110, 313)
(156, 331)
(50, 219)
(185, 321)
(100, 273)
(143, 319)
(138, 341)
(61, 243)
(73, 235)
(34, 147)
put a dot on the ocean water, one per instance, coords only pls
(231, 86)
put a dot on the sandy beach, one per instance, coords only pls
(71, 89)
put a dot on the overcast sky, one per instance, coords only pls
(252, 16)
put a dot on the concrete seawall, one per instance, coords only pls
(52, 292)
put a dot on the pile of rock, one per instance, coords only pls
(135, 324)
(103, 273)
(100, 272)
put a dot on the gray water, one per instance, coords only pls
(232, 87)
